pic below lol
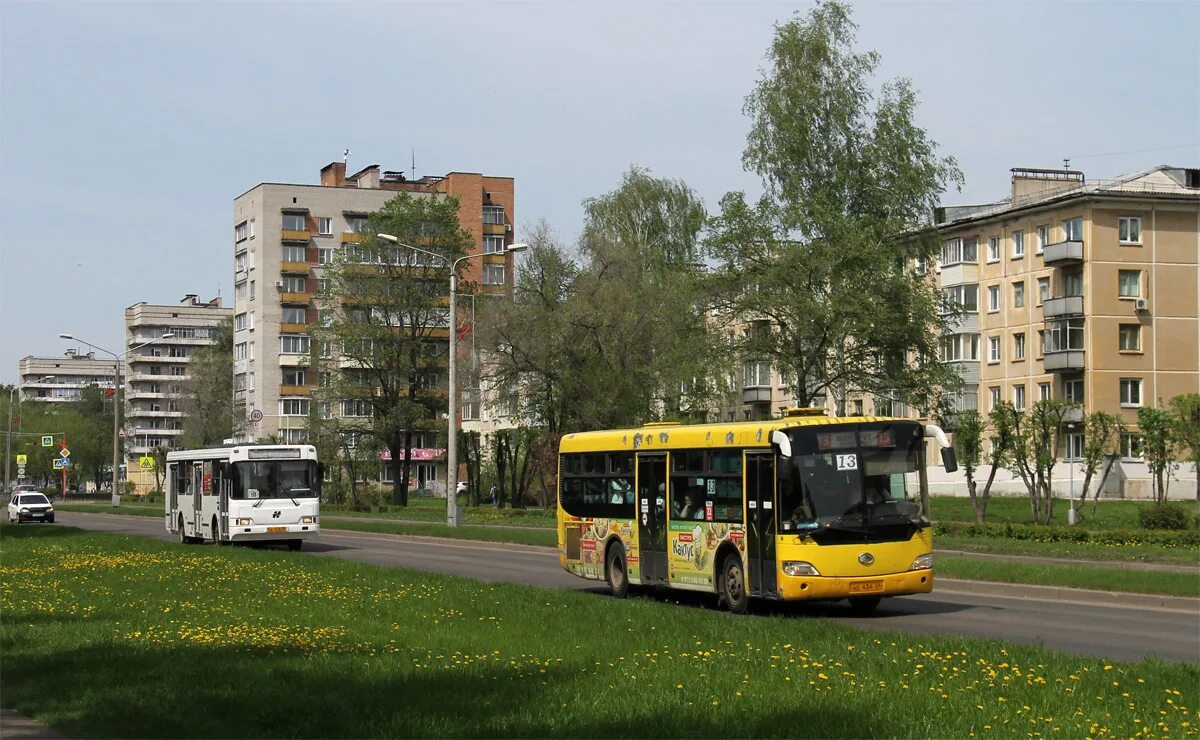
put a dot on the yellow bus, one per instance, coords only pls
(799, 507)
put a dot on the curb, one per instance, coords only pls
(1186, 604)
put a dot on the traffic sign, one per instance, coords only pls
(22, 459)
(62, 462)
(47, 440)
(64, 452)
(146, 462)
(256, 416)
(20, 471)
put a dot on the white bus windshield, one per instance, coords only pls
(263, 479)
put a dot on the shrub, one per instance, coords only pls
(1164, 516)
(1038, 533)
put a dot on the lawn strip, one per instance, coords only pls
(1072, 576)
(234, 642)
(1077, 550)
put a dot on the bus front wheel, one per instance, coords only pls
(616, 573)
(732, 585)
(183, 538)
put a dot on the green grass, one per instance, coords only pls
(541, 537)
(106, 635)
(1073, 550)
(1015, 509)
(1073, 576)
(434, 510)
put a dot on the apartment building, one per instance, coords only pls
(156, 371)
(1076, 290)
(285, 234)
(62, 379)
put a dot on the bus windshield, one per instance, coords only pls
(854, 481)
(263, 479)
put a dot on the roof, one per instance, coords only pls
(699, 436)
(1163, 181)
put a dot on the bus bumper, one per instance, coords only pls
(267, 533)
(820, 587)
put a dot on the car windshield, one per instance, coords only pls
(263, 479)
(28, 499)
(856, 477)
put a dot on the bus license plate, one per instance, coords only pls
(864, 587)
(284, 529)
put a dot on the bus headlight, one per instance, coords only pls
(243, 523)
(799, 568)
(923, 562)
(308, 520)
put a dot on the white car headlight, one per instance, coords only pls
(242, 523)
(49, 508)
(24, 510)
(308, 520)
(923, 562)
(799, 568)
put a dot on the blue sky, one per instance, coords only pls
(127, 129)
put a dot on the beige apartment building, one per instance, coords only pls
(156, 372)
(1083, 291)
(285, 234)
(62, 379)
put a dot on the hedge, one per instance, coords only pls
(1051, 533)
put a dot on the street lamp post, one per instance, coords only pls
(116, 452)
(452, 513)
(8, 437)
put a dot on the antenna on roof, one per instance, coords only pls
(1066, 163)
(414, 163)
(345, 157)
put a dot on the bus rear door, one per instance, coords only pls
(761, 510)
(652, 518)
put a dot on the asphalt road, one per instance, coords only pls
(1107, 631)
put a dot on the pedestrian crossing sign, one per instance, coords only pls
(146, 462)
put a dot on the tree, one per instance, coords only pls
(159, 454)
(1101, 443)
(470, 446)
(1159, 447)
(1186, 409)
(386, 316)
(1033, 438)
(207, 393)
(968, 438)
(513, 452)
(824, 257)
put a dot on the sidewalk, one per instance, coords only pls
(15, 726)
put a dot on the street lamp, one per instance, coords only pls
(8, 438)
(452, 516)
(116, 458)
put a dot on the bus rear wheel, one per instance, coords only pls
(731, 585)
(615, 571)
(864, 604)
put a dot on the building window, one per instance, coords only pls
(239, 352)
(993, 249)
(756, 375)
(493, 215)
(1129, 283)
(293, 284)
(1043, 391)
(1019, 294)
(921, 266)
(357, 224)
(1130, 338)
(1019, 397)
(326, 349)
(239, 291)
(1073, 230)
(292, 315)
(856, 407)
(1129, 229)
(957, 347)
(1043, 290)
(993, 298)
(1018, 244)
(1074, 449)
(293, 344)
(240, 232)
(325, 226)
(293, 407)
(958, 251)
(359, 407)
(239, 262)
(251, 228)
(293, 222)
(493, 274)
(965, 297)
(293, 253)
(470, 410)
(1131, 392)
(995, 397)
(493, 244)
(1074, 391)
(1041, 342)
(1019, 346)
(1131, 445)
(323, 286)
(993, 349)
(1043, 235)
(239, 322)
(293, 376)
(324, 255)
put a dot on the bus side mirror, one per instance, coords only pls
(781, 443)
(320, 471)
(949, 461)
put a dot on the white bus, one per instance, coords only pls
(244, 493)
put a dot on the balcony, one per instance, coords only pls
(1073, 415)
(1063, 253)
(968, 370)
(304, 298)
(1065, 306)
(1063, 360)
(294, 390)
(293, 328)
(295, 268)
(351, 237)
(756, 394)
(494, 229)
(144, 413)
(967, 323)
(295, 235)
(960, 273)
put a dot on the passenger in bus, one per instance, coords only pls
(692, 508)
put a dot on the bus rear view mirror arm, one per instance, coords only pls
(782, 443)
(949, 461)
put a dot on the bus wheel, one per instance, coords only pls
(616, 573)
(864, 604)
(732, 585)
(216, 533)
(183, 538)
(295, 545)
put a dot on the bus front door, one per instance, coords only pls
(652, 518)
(760, 504)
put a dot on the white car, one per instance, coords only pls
(30, 507)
